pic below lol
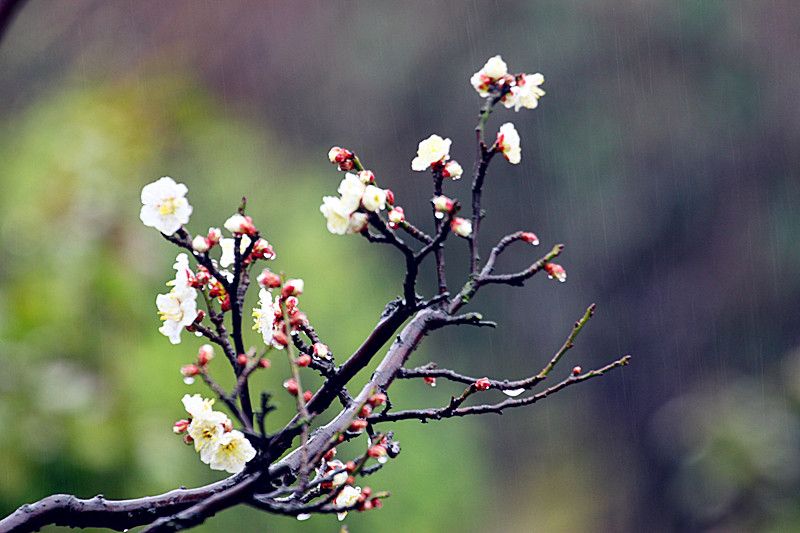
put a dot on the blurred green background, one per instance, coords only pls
(665, 155)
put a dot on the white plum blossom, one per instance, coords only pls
(494, 69)
(205, 431)
(508, 143)
(228, 257)
(182, 272)
(178, 309)
(231, 452)
(197, 406)
(357, 223)
(348, 497)
(374, 198)
(264, 316)
(337, 215)
(200, 244)
(431, 151)
(165, 206)
(525, 93)
(452, 170)
(351, 190)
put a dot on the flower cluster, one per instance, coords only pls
(521, 90)
(220, 446)
(358, 195)
(178, 308)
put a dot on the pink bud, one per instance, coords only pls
(264, 363)
(443, 204)
(389, 196)
(366, 410)
(187, 439)
(396, 217)
(330, 454)
(291, 303)
(482, 384)
(189, 370)
(430, 381)
(367, 177)
(378, 450)
(291, 386)
(241, 359)
(205, 354)
(307, 395)
(180, 426)
(298, 318)
(555, 271)
(452, 170)
(358, 425)
(320, 350)
(214, 236)
(530, 238)
(203, 275)
(304, 360)
(263, 250)
(377, 399)
(269, 279)
(225, 304)
(279, 336)
(292, 287)
(461, 227)
(576, 371)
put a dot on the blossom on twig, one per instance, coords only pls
(165, 206)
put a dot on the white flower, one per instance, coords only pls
(231, 452)
(508, 143)
(461, 227)
(205, 431)
(432, 150)
(228, 257)
(494, 69)
(357, 223)
(182, 272)
(336, 213)
(525, 93)
(452, 170)
(239, 224)
(178, 309)
(200, 244)
(348, 497)
(197, 406)
(352, 189)
(264, 316)
(374, 198)
(165, 206)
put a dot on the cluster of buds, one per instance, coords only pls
(203, 244)
(343, 158)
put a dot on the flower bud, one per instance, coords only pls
(366, 410)
(342, 157)
(530, 238)
(240, 225)
(366, 506)
(376, 503)
(396, 217)
(379, 450)
(180, 426)
(188, 371)
(292, 287)
(269, 279)
(461, 227)
(291, 303)
(377, 399)
(307, 395)
(330, 454)
(367, 177)
(430, 381)
(555, 271)
(262, 250)
(200, 244)
(291, 386)
(214, 236)
(366, 491)
(452, 170)
(203, 275)
(320, 350)
(482, 384)
(304, 360)
(576, 371)
(205, 354)
(241, 359)
(389, 196)
(279, 336)
(187, 439)
(350, 466)
(264, 363)
(298, 318)
(443, 204)
(225, 304)
(200, 316)
(358, 425)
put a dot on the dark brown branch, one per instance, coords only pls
(69, 511)
(445, 412)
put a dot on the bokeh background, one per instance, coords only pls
(666, 155)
